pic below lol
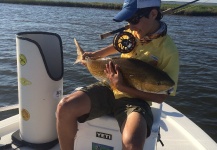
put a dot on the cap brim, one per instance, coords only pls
(124, 14)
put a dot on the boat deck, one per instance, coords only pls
(176, 130)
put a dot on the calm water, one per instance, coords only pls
(195, 37)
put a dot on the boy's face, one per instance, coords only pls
(146, 25)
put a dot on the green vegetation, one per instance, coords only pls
(191, 10)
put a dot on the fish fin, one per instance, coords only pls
(80, 52)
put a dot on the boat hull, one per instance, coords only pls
(177, 132)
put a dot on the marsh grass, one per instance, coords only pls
(191, 10)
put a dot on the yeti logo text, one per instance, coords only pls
(104, 135)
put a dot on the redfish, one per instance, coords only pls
(136, 73)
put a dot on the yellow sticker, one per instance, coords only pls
(23, 59)
(25, 114)
(25, 82)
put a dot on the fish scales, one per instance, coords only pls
(136, 73)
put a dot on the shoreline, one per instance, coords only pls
(191, 10)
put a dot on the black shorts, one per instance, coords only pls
(103, 103)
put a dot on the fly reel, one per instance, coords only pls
(124, 42)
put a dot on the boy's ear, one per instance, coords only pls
(153, 14)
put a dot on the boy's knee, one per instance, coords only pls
(62, 108)
(132, 142)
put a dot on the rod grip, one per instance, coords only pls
(105, 35)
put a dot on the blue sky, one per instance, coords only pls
(203, 1)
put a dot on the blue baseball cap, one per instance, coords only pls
(131, 6)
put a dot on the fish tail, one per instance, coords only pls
(80, 53)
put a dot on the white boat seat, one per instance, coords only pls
(104, 132)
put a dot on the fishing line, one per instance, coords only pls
(192, 6)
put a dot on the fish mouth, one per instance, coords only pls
(167, 92)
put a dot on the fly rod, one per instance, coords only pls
(168, 11)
